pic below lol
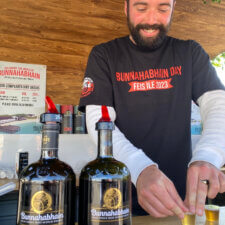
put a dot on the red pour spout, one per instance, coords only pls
(105, 115)
(51, 105)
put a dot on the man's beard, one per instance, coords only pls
(148, 43)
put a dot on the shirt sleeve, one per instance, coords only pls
(211, 145)
(204, 74)
(97, 83)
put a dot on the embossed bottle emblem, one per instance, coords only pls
(112, 198)
(41, 202)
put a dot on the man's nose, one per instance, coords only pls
(151, 17)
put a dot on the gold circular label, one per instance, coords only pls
(112, 198)
(41, 202)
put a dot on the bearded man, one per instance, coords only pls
(148, 81)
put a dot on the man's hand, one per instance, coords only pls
(157, 194)
(197, 191)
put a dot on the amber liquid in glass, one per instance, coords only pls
(212, 213)
(189, 219)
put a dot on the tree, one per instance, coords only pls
(218, 1)
(219, 61)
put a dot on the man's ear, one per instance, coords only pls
(125, 7)
(174, 3)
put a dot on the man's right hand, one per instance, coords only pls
(157, 194)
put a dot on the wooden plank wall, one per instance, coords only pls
(61, 33)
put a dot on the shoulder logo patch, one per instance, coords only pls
(88, 87)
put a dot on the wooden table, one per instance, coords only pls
(148, 220)
(173, 220)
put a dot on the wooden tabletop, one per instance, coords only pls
(173, 220)
(148, 220)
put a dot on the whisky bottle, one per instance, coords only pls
(47, 187)
(67, 119)
(105, 183)
(79, 121)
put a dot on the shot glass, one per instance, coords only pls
(212, 213)
(189, 219)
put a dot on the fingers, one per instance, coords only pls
(191, 189)
(197, 191)
(174, 202)
(173, 192)
(196, 197)
(157, 194)
(171, 200)
(222, 182)
(201, 197)
(214, 186)
(163, 200)
(154, 207)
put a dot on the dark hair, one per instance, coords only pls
(129, 1)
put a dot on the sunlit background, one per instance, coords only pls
(219, 64)
(196, 124)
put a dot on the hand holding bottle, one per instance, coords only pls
(157, 194)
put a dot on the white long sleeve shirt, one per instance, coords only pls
(210, 147)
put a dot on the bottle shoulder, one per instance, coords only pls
(53, 169)
(105, 168)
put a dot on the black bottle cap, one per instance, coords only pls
(51, 117)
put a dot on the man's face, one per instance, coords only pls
(149, 21)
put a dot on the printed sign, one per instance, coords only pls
(22, 97)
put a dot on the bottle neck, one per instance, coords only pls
(105, 144)
(50, 138)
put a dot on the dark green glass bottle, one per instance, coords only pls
(47, 187)
(105, 185)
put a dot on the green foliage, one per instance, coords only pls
(218, 1)
(219, 61)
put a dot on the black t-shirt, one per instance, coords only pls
(151, 92)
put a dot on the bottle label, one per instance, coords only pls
(50, 139)
(112, 205)
(40, 206)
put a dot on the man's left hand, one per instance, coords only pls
(197, 190)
